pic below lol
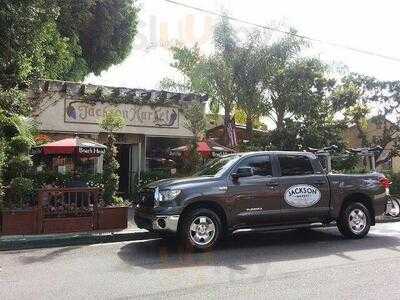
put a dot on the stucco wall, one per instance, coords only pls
(55, 98)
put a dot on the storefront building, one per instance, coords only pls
(154, 120)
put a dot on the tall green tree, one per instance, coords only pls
(60, 39)
(288, 78)
(248, 72)
(298, 91)
(196, 123)
(360, 93)
(211, 74)
(262, 79)
(105, 30)
(29, 41)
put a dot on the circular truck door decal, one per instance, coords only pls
(302, 195)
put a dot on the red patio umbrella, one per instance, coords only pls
(206, 148)
(75, 145)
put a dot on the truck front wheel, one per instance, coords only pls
(201, 229)
(354, 221)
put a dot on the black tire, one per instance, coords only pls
(354, 221)
(189, 236)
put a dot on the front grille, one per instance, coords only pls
(146, 198)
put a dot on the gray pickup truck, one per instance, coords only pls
(261, 191)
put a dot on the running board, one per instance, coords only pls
(279, 227)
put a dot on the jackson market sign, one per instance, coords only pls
(134, 115)
(302, 195)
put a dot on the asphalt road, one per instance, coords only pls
(317, 264)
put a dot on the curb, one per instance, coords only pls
(73, 240)
(387, 220)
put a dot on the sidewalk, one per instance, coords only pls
(132, 233)
(18, 242)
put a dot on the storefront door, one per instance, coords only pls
(123, 158)
(129, 165)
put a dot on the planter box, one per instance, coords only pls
(67, 225)
(112, 218)
(19, 222)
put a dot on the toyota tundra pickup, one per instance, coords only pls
(261, 191)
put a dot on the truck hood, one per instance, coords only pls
(180, 182)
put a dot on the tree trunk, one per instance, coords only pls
(280, 115)
(362, 135)
(227, 120)
(249, 127)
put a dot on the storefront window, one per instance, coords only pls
(158, 154)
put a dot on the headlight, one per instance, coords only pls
(166, 195)
(169, 195)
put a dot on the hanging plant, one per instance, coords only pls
(140, 97)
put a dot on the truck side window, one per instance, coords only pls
(261, 165)
(294, 165)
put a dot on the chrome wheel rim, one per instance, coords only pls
(357, 221)
(202, 230)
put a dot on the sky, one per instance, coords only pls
(368, 25)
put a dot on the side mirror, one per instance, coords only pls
(242, 172)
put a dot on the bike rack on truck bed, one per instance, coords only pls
(369, 154)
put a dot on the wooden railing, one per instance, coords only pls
(63, 210)
(68, 202)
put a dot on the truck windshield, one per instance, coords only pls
(218, 166)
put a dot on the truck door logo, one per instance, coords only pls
(302, 195)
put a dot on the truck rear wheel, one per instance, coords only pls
(201, 229)
(354, 221)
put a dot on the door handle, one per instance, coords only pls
(272, 183)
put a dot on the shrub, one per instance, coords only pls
(23, 190)
(20, 144)
(147, 178)
(7, 126)
(110, 186)
(19, 165)
(151, 176)
(2, 165)
(119, 201)
(61, 180)
(92, 180)
(14, 102)
(112, 121)
(395, 187)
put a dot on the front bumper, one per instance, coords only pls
(163, 223)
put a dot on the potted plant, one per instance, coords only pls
(113, 211)
(113, 217)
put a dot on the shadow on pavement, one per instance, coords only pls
(52, 254)
(253, 249)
